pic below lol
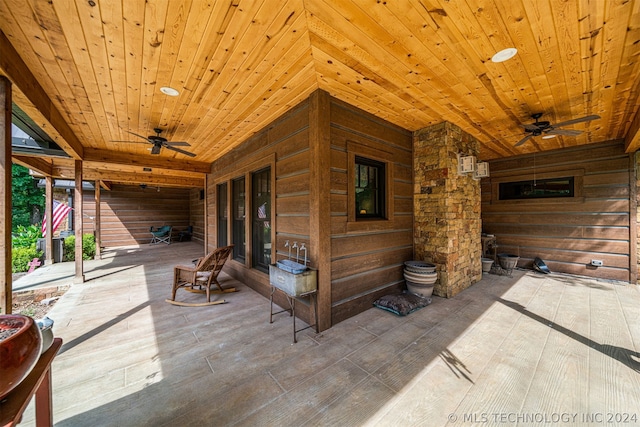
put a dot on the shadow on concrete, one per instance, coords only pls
(622, 355)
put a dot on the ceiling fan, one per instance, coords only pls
(158, 142)
(538, 128)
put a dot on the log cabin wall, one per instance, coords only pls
(127, 212)
(196, 213)
(284, 147)
(367, 256)
(361, 260)
(567, 233)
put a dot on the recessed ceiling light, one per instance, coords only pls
(169, 91)
(548, 136)
(504, 54)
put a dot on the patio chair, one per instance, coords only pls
(201, 276)
(185, 236)
(161, 234)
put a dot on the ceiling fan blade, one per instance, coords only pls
(574, 121)
(531, 127)
(565, 132)
(139, 136)
(178, 143)
(186, 153)
(156, 149)
(523, 140)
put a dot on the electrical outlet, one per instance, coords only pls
(597, 263)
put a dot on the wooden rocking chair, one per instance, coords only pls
(202, 275)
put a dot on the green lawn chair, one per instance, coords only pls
(161, 234)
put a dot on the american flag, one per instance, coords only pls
(60, 211)
(262, 213)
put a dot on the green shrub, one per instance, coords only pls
(21, 256)
(24, 237)
(88, 247)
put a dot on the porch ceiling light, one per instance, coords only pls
(548, 136)
(169, 91)
(504, 54)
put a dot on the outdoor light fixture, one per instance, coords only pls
(466, 164)
(548, 136)
(482, 170)
(504, 54)
(169, 91)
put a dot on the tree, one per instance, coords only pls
(27, 200)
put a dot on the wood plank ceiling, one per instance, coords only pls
(89, 71)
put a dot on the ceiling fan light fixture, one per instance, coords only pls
(504, 54)
(169, 91)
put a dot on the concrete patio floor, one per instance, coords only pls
(530, 349)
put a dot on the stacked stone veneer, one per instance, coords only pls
(447, 224)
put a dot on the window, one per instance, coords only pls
(369, 188)
(238, 219)
(537, 189)
(223, 215)
(261, 219)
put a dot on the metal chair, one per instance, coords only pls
(161, 234)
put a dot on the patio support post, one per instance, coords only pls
(6, 297)
(206, 214)
(48, 209)
(320, 200)
(96, 221)
(77, 219)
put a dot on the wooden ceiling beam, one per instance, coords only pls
(151, 161)
(106, 185)
(47, 117)
(37, 164)
(89, 174)
(632, 138)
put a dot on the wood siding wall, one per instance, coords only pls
(196, 213)
(283, 146)
(568, 233)
(365, 258)
(127, 212)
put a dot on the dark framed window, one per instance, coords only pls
(545, 188)
(238, 226)
(369, 188)
(261, 219)
(223, 215)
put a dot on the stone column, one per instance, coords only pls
(446, 208)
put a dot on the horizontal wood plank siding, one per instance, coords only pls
(286, 140)
(127, 212)
(368, 263)
(566, 233)
(365, 263)
(196, 213)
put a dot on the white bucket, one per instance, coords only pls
(487, 263)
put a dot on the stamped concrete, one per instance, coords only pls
(530, 349)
